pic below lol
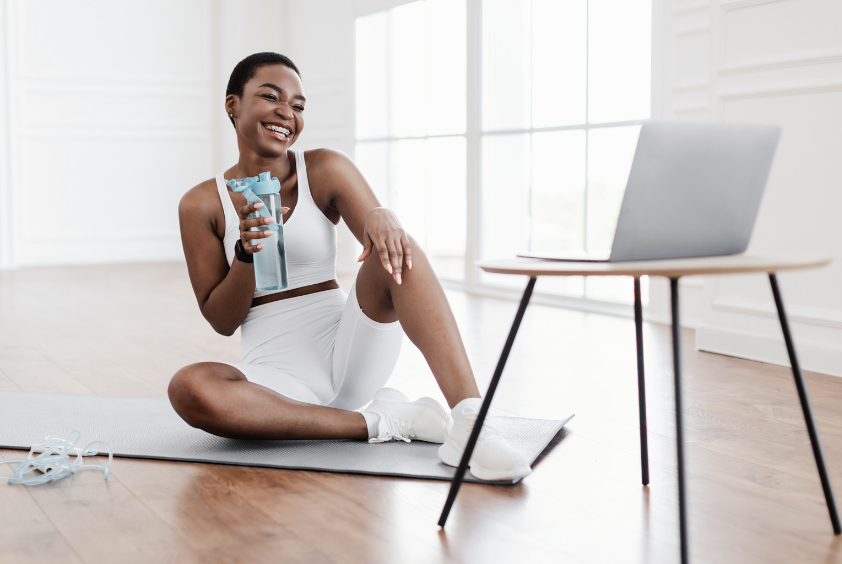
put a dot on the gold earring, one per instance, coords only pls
(230, 115)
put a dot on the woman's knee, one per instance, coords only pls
(191, 389)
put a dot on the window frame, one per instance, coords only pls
(474, 135)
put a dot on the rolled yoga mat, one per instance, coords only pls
(150, 428)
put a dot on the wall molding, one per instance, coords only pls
(690, 8)
(96, 236)
(812, 355)
(691, 109)
(691, 86)
(796, 60)
(118, 79)
(143, 89)
(365, 7)
(727, 5)
(135, 133)
(30, 90)
(819, 317)
(691, 30)
(779, 90)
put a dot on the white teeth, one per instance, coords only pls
(275, 128)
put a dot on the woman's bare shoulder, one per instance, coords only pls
(201, 204)
(325, 160)
(202, 197)
(329, 166)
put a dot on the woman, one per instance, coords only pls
(310, 354)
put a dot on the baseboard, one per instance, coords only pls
(812, 355)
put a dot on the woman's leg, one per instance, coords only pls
(217, 398)
(421, 306)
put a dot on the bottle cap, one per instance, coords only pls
(266, 185)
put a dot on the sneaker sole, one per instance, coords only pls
(451, 454)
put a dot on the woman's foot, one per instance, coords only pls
(493, 458)
(399, 419)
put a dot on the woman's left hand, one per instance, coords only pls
(385, 235)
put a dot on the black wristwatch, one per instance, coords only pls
(241, 253)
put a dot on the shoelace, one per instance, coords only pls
(53, 460)
(398, 429)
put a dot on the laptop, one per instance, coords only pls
(693, 191)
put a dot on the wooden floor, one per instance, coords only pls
(124, 330)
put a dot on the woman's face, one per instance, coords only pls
(269, 116)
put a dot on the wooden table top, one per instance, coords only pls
(670, 268)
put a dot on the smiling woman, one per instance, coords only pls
(310, 352)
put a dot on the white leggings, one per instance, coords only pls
(319, 348)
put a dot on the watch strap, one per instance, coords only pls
(241, 254)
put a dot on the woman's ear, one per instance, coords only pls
(231, 105)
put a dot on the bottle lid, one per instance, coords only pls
(259, 185)
(266, 185)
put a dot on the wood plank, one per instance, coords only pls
(204, 511)
(415, 507)
(31, 371)
(28, 536)
(340, 528)
(105, 523)
(79, 359)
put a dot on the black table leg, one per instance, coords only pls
(807, 408)
(679, 421)
(486, 403)
(641, 385)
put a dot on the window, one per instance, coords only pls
(411, 121)
(561, 112)
(565, 87)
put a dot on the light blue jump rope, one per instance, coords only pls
(244, 186)
(53, 460)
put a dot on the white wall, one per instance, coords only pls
(110, 111)
(119, 107)
(241, 28)
(320, 41)
(767, 61)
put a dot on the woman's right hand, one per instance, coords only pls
(251, 239)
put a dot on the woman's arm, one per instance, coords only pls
(224, 294)
(375, 227)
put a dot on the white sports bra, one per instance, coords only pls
(309, 236)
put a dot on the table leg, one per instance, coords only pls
(679, 421)
(486, 403)
(641, 385)
(807, 408)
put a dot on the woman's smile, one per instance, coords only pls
(277, 131)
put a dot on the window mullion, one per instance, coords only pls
(473, 91)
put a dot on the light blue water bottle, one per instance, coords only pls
(270, 263)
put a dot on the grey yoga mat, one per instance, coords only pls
(150, 428)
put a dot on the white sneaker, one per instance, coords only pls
(493, 458)
(422, 420)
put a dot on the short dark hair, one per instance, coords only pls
(248, 67)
